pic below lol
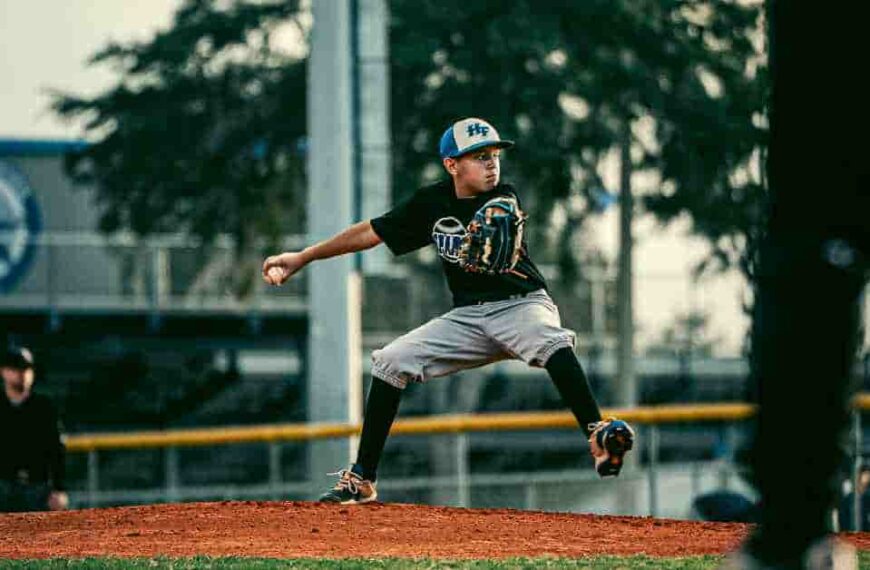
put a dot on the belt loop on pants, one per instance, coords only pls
(506, 298)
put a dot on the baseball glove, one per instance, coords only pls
(494, 237)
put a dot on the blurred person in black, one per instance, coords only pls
(847, 504)
(32, 452)
(811, 273)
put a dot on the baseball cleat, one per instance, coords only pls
(609, 441)
(351, 489)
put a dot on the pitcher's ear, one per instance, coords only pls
(449, 165)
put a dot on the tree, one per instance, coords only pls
(201, 134)
(569, 80)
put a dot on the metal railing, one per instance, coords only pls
(459, 426)
(168, 272)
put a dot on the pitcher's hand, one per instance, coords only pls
(58, 501)
(277, 269)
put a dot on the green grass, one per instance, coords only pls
(597, 563)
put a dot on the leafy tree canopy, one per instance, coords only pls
(201, 133)
(567, 80)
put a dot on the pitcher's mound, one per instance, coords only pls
(300, 529)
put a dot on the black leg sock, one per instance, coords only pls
(381, 409)
(570, 380)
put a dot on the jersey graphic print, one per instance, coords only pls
(447, 234)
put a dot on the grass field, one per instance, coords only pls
(597, 563)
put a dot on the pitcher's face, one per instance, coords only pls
(479, 170)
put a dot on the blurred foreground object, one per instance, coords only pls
(812, 272)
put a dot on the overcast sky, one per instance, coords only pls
(45, 44)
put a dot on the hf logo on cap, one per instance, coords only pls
(477, 129)
(468, 135)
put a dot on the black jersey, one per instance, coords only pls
(31, 449)
(435, 216)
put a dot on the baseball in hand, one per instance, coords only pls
(276, 275)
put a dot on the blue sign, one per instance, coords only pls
(20, 223)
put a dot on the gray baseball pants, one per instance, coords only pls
(525, 328)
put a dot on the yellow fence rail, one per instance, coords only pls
(430, 425)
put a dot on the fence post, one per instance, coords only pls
(531, 496)
(170, 471)
(856, 471)
(462, 483)
(93, 477)
(275, 469)
(652, 467)
(51, 287)
(730, 445)
(160, 278)
(696, 479)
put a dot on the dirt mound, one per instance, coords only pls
(300, 529)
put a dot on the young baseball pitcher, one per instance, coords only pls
(501, 306)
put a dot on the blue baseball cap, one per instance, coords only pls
(468, 135)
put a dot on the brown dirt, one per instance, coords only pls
(300, 529)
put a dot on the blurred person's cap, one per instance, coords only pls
(17, 357)
(468, 135)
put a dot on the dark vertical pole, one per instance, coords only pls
(811, 272)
